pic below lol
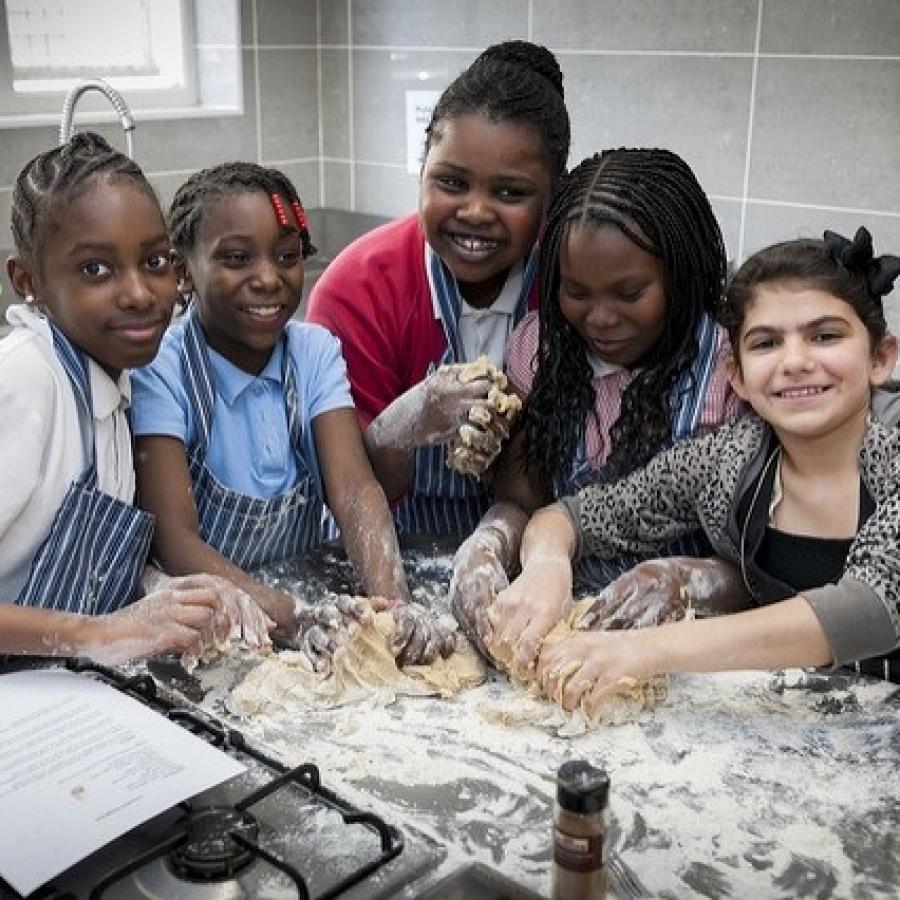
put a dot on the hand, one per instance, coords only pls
(249, 622)
(478, 576)
(321, 625)
(442, 402)
(584, 667)
(418, 638)
(187, 616)
(660, 590)
(528, 609)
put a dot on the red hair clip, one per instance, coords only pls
(280, 212)
(300, 215)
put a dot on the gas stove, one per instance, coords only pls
(272, 832)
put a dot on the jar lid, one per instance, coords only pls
(581, 787)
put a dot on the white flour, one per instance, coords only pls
(739, 785)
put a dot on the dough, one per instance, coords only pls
(363, 668)
(529, 707)
(495, 418)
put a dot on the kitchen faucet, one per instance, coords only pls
(67, 122)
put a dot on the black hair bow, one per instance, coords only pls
(857, 256)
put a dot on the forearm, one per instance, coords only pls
(549, 535)
(712, 586)
(780, 635)
(503, 525)
(389, 446)
(370, 540)
(43, 632)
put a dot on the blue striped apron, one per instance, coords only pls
(687, 401)
(441, 501)
(92, 559)
(250, 531)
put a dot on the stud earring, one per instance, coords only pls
(29, 299)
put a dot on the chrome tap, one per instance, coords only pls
(67, 123)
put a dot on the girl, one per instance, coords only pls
(245, 424)
(449, 285)
(804, 496)
(623, 360)
(93, 266)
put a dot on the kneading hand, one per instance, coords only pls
(659, 590)
(478, 577)
(322, 624)
(419, 638)
(188, 615)
(585, 666)
(528, 609)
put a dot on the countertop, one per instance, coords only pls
(737, 785)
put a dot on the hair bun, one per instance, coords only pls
(526, 55)
(88, 142)
(858, 256)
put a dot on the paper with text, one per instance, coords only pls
(82, 763)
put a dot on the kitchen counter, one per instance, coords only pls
(737, 785)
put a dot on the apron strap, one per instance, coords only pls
(198, 376)
(689, 392)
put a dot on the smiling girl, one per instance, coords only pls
(245, 423)
(93, 266)
(449, 285)
(804, 496)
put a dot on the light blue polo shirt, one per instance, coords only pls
(249, 448)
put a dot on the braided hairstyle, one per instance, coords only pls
(515, 81)
(53, 179)
(208, 186)
(653, 197)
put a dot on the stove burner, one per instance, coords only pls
(210, 853)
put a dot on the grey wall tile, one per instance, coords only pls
(337, 186)
(386, 190)
(380, 81)
(335, 95)
(246, 12)
(697, 107)
(828, 132)
(466, 23)
(335, 23)
(286, 21)
(18, 145)
(831, 26)
(167, 184)
(305, 177)
(699, 25)
(289, 113)
(728, 212)
(767, 223)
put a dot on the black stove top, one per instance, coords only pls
(271, 832)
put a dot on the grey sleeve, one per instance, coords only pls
(855, 620)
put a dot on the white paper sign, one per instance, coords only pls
(419, 106)
(82, 763)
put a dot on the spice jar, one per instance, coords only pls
(579, 826)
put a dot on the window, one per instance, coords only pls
(150, 50)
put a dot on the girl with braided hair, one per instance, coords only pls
(622, 360)
(803, 495)
(244, 422)
(449, 284)
(93, 265)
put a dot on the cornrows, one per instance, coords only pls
(655, 199)
(208, 185)
(515, 81)
(53, 179)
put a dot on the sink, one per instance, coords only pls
(478, 882)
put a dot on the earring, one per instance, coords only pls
(29, 299)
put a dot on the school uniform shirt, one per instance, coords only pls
(249, 447)
(712, 483)
(720, 405)
(45, 444)
(375, 296)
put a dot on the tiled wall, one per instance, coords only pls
(788, 110)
